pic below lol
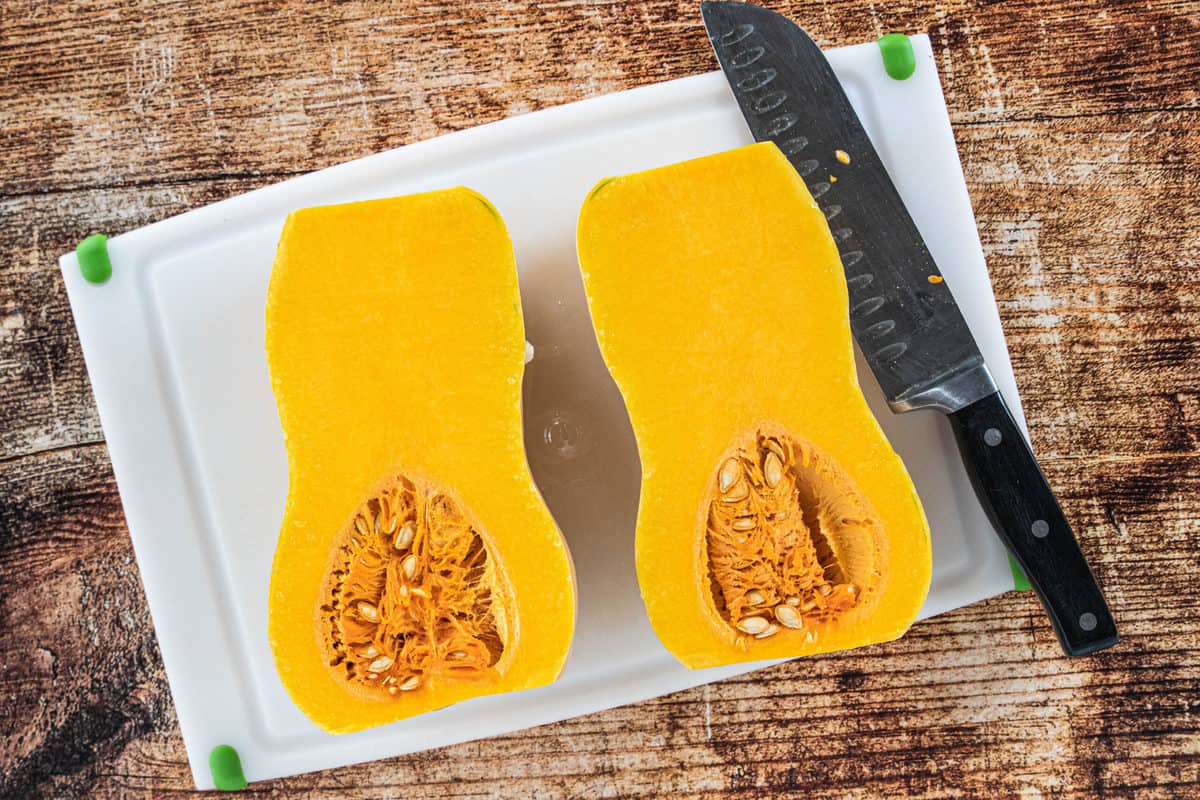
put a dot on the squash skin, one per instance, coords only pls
(720, 306)
(395, 344)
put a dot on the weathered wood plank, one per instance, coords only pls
(45, 396)
(176, 90)
(1085, 224)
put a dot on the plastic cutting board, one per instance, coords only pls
(174, 346)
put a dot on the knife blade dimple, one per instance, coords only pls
(736, 34)
(890, 351)
(808, 167)
(792, 146)
(757, 80)
(780, 124)
(744, 58)
(769, 102)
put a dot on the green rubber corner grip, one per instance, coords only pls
(226, 767)
(94, 264)
(1020, 581)
(898, 59)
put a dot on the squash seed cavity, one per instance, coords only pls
(412, 594)
(792, 545)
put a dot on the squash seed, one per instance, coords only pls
(380, 664)
(405, 537)
(772, 470)
(788, 617)
(368, 611)
(730, 471)
(754, 598)
(753, 625)
(744, 524)
(738, 492)
(410, 684)
(770, 630)
(409, 565)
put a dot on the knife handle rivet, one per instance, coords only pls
(1087, 621)
(992, 437)
(1040, 528)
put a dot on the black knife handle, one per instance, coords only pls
(1027, 516)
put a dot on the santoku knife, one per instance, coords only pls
(902, 312)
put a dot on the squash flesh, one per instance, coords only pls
(396, 349)
(720, 306)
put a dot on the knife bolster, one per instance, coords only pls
(956, 388)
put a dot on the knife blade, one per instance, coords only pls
(902, 312)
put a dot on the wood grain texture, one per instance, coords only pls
(1077, 126)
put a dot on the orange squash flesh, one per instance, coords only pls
(417, 564)
(775, 520)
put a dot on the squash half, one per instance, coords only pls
(775, 519)
(417, 564)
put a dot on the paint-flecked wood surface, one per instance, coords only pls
(1077, 126)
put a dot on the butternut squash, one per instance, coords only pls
(417, 564)
(775, 520)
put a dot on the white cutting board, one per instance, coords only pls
(174, 346)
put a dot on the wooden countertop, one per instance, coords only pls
(1077, 127)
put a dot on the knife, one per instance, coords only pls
(902, 312)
